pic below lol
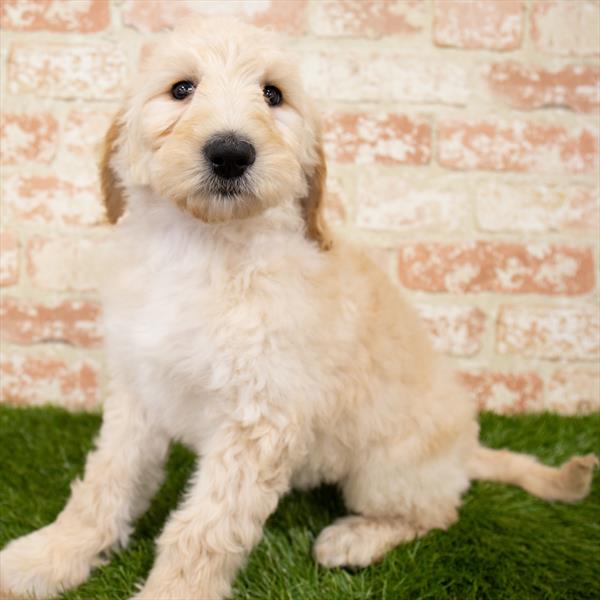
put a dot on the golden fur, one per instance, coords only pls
(112, 192)
(282, 357)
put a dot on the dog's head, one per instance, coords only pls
(218, 123)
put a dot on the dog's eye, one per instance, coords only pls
(272, 95)
(182, 89)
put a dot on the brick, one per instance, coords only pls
(52, 200)
(566, 27)
(9, 258)
(27, 137)
(385, 76)
(574, 391)
(55, 15)
(563, 332)
(154, 15)
(517, 145)
(336, 202)
(386, 138)
(454, 329)
(490, 24)
(41, 379)
(505, 393)
(528, 87)
(392, 202)
(68, 71)
(537, 207)
(74, 322)
(85, 129)
(504, 267)
(65, 263)
(347, 18)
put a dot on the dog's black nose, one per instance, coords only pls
(229, 156)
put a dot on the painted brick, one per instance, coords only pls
(65, 263)
(517, 146)
(337, 201)
(389, 201)
(505, 393)
(565, 332)
(85, 129)
(53, 200)
(386, 63)
(528, 87)
(80, 71)
(574, 391)
(497, 267)
(387, 138)
(42, 379)
(368, 19)
(74, 322)
(537, 207)
(454, 329)
(9, 258)
(153, 15)
(566, 27)
(27, 137)
(55, 15)
(491, 24)
(370, 76)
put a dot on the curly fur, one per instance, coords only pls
(283, 357)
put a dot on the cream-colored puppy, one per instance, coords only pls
(235, 324)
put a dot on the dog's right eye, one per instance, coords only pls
(182, 89)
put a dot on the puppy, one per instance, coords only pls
(236, 324)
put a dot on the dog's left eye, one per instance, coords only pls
(182, 89)
(272, 95)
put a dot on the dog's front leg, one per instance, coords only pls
(121, 476)
(239, 482)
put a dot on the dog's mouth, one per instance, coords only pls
(225, 188)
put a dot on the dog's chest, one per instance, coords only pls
(179, 317)
(193, 327)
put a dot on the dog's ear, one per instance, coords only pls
(112, 189)
(312, 204)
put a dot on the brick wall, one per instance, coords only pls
(462, 140)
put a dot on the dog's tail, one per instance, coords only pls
(568, 483)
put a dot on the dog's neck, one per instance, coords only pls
(155, 217)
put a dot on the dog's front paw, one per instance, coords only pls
(175, 584)
(170, 591)
(176, 592)
(40, 565)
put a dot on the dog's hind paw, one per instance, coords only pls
(358, 541)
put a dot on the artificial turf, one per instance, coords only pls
(506, 544)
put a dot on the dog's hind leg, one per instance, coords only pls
(120, 477)
(395, 501)
(358, 541)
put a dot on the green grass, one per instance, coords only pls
(507, 544)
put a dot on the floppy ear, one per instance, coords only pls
(112, 189)
(312, 204)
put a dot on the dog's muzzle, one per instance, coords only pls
(228, 155)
